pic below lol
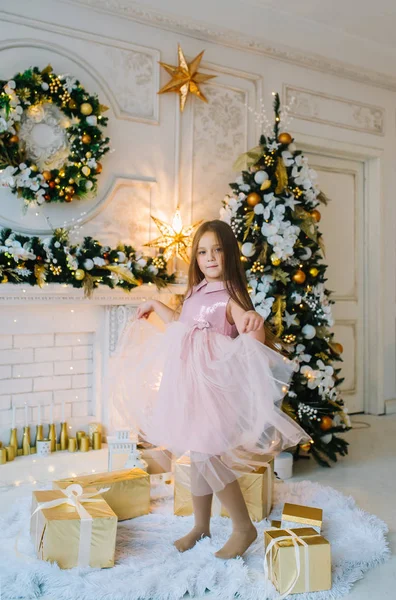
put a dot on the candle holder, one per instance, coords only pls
(64, 438)
(52, 436)
(43, 447)
(84, 444)
(26, 441)
(97, 440)
(10, 450)
(72, 445)
(14, 439)
(39, 434)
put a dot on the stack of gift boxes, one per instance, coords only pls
(75, 523)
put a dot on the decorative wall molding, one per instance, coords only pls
(352, 325)
(118, 318)
(235, 39)
(332, 110)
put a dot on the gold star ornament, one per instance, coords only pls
(174, 238)
(185, 78)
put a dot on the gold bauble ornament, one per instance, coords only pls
(69, 190)
(326, 423)
(98, 168)
(57, 180)
(299, 276)
(68, 198)
(315, 214)
(185, 78)
(276, 261)
(71, 180)
(86, 171)
(34, 168)
(285, 138)
(86, 139)
(62, 173)
(5, 279)
(86, 108)
(79, 274)
(253, 199)
(72, 104)
(265, 185)
(337, 347)
(47, 175)
(305, 447)
(14, 139)
(88, 154)
(314, 272)
(61, 193)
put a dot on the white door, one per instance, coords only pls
(342, 228)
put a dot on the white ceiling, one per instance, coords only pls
(365, 19)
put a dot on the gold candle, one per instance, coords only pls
(52, 436)
(1, 444)
(79, 435)
(72, 445)
(14, 439)
(64, 437)
(10, 450)
(3, 456)
(39, 433)
(26, 441)
(84, 444)
(97, 440)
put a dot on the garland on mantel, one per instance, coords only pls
(54, 259)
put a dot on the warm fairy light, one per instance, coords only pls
(177, 222)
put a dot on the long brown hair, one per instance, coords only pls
(233, 273)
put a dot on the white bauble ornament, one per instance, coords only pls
(89, 264)
(88, 185)
(307, 254)
(326, 439)
(121, 256)
(248, 249)
(308, 332)
(260, 177)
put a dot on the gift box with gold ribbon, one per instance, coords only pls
(256, 488)
(128, 494)
(297, 560)
(158, 460)
(73, 527)
(296, 515)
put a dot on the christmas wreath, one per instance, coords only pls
(51, 138)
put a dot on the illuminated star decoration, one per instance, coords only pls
(185, 78)
(174, 239)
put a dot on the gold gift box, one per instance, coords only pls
(256, 488)
(129, 493)
(157, 459)
(315, 560)
(294, 514)
(55, 531)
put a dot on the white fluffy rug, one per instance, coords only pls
(148, 567)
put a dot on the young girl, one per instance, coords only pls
(207, 386)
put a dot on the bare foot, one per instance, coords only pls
(238, 543)
(189, 540)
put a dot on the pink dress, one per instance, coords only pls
(199, 388)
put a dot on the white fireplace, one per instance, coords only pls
(54, 349)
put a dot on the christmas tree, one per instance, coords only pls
(273, 211)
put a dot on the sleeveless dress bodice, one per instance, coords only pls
(206, 307)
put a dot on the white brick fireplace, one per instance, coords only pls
(54, 348)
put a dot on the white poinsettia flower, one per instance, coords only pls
(265, 307)
(99, 261)
(269, 197)
(273, 146)
(288, 158)
(3, 125)
(259, 209)
(245, 187)
(241, 197)
(69, 82)
(269, 229)
(7, 176)
(152, 269)
(142, 262)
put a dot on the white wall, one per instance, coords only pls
(162, 157)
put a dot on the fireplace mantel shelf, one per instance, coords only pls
(53, 293)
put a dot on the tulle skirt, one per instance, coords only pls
(196, 392)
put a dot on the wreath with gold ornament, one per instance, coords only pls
(51, 139)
